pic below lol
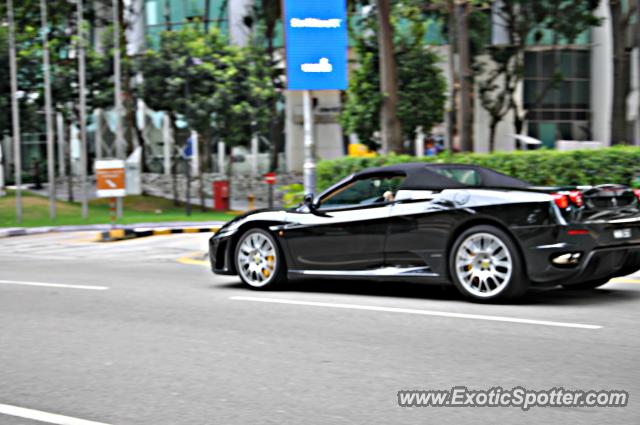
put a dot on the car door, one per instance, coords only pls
(419, 229)
(347, 232)
(420, 225)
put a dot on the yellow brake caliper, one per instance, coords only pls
(267, 271)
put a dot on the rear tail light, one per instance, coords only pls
(576, 198)
(637, 193)
(562, 201)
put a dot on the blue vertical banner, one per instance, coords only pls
(316, 44)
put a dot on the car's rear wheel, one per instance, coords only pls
(591, 284)
(485, 265)
(258, 260)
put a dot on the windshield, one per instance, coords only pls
(367, 191)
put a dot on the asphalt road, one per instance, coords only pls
(142, 333)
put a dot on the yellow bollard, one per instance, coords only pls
(251, 198)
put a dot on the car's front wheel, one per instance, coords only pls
(485, 264)
(258, 260)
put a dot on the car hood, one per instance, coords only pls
(264, 214)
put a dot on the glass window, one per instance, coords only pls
(582, 65)
(549, 64)
(153, 12)
(557, 109)
(368, 191)
(161, 15)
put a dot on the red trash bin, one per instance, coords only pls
(221, 195)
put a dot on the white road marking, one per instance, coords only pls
(419, 312)
(38, 415)
(55, 285)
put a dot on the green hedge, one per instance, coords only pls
(542, 167)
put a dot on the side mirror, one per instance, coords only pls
(308, 202)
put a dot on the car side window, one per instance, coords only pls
(467, 176)
(367, 191)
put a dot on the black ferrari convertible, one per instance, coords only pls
(489, 234)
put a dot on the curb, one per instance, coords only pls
(7, 232)
(21, 231)
(123, 234)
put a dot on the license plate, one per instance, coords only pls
(622, 233)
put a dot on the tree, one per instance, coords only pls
(27, 104)
(523, 20)
(621, 21)
(62, 22)
(466, 27)
(62, 39)
(465, 115)
(161, 69)
(222, 91)
(264, 22)
(389, 124)
(421, 89)
(361, 109)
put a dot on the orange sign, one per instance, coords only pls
(110, 178)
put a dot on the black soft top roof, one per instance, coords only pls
(422, 176)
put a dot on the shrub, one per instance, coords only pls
(541, 168)
(293, 195)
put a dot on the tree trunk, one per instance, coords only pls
(203, 206)
(638, 70)
(621, 75)
(204, 157)
(206, 151)
(518, 122)
(67, 161)
(275, 135)
(389, 123)
(492, 135)
(453, 76)
(274, 125)
(465, 117)
(174, 163)
(128, 104)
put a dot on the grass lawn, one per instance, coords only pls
(137, 209)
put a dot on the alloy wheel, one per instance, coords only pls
(257, 259)
(483, 265)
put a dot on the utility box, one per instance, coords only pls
(221, 195)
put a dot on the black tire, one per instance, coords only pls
(276, 277)
(511, 286)
(585, 286)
